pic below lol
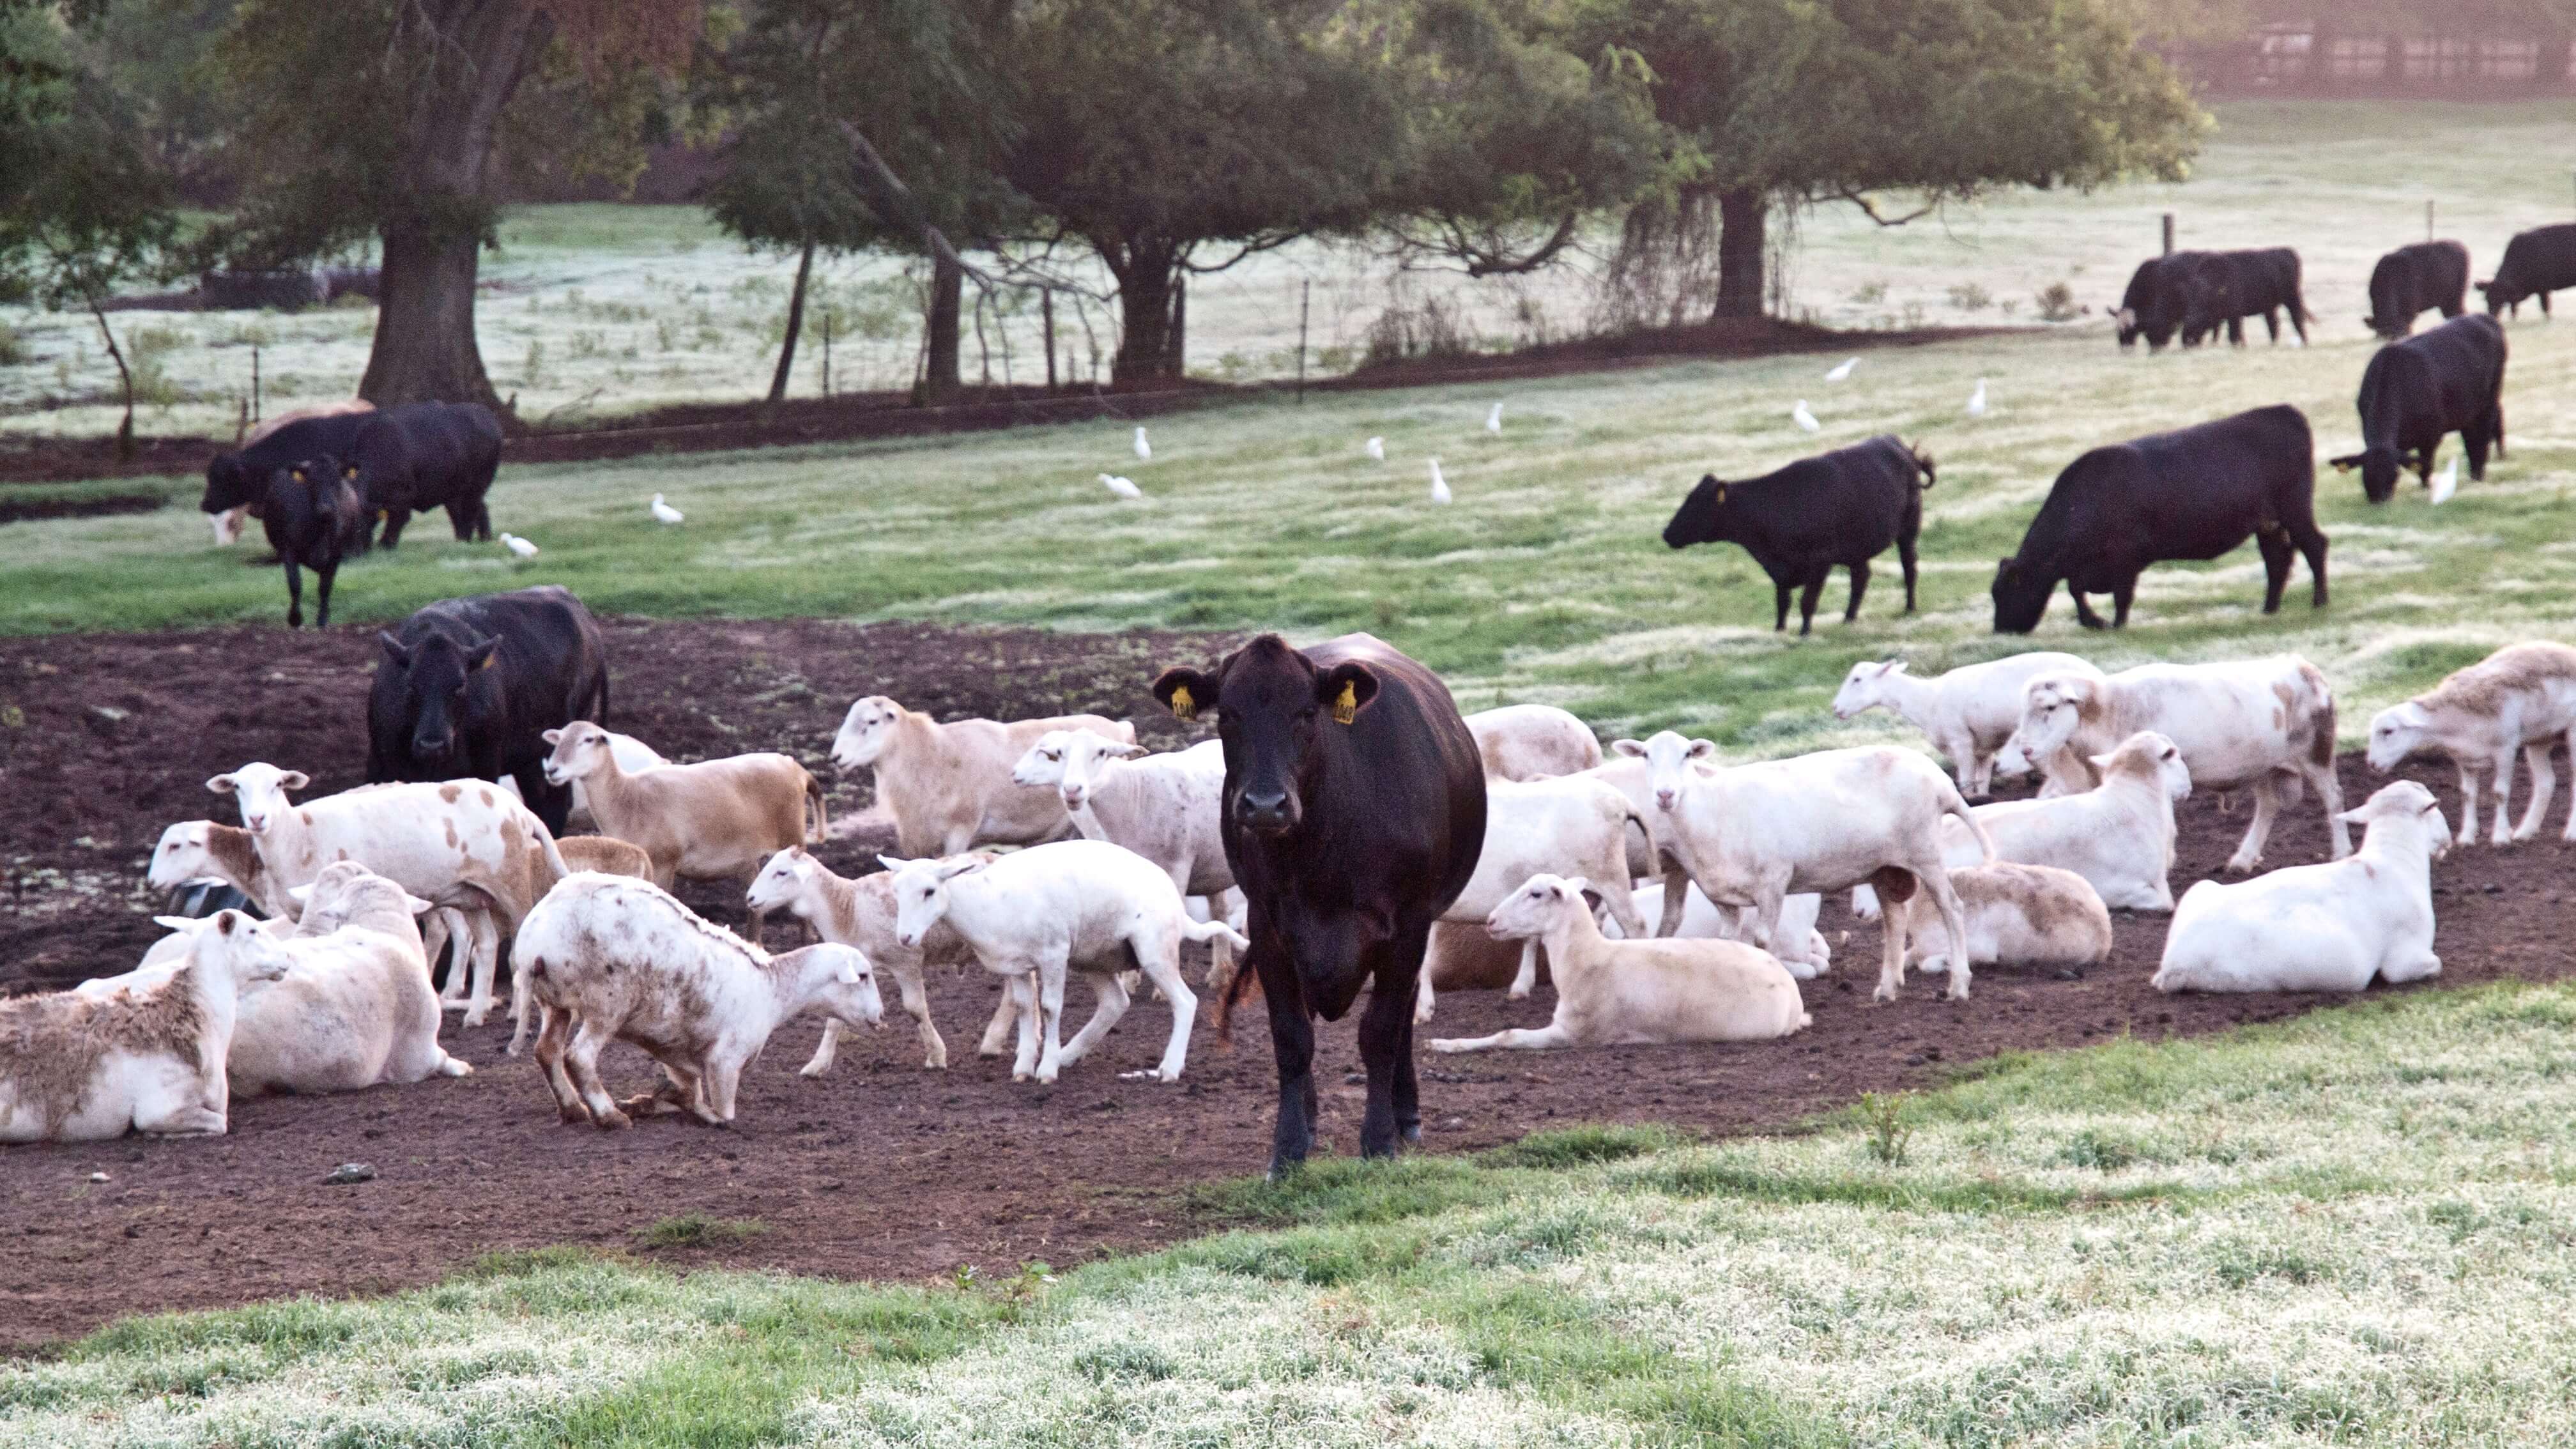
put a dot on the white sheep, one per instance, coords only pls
(1167, 808)
(356, 1009)
(2029, 915)
(2522, 697)
(1532, 742)
(2320, 927)
(1967, 713)
(948, 786)
(1567, 825)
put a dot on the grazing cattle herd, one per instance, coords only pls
(1348, 834)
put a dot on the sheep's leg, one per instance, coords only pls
(486, 934)
(829, 1048)
(1422, 996)
(714, 1099)
(1954, 919)
(2267, 803)
(435, 930)
(1164, 968)
(1024, 1001)
(582, 1061)
(1005, 1012)
(1114, 1001)
(2571, 807)
(1050, 1013)
(2468, 832)
(1526, 981)
(1894, 917)
(2503, 767)
(2544, 784)
(1677, 884)
(1509, 1039)
(2321, 777)
(554, 1033)
(916, 1002)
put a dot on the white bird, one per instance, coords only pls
(1805, 419)
(1144, 450)
(1123, 487)
(1977, 400)
(1842, 370)
(518, 545)
(1377, 450)
(665, 511)
(1494, 419)
(2447, 482)
(1439, 485)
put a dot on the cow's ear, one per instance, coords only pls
(394, 649)
(1185, 692)
(1633, 749)
(298, 475)
(1346, 689)
(481, 655)
(2346, 463)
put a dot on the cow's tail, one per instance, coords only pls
(1954, 803)
(2321, 747)
(1922, 464)
(1230, 993)
(822, 817)
(599, 699)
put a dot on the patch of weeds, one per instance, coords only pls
(1883, 1119)
(1870, 294)
(1564, 1147)
(1970, 297)
(697, 1230)
(13, 348)
(2101, 1151)
(2056, 303)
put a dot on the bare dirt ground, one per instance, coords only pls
(882, 1169)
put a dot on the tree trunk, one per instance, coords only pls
(947, 292)
(425, 348)
(124, 430)
(795, 326)
(1148, 328)
(1741, 214)
(1176, 352)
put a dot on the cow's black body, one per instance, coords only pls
(2416, 279)
(2449, 380)
(2194, 493)
(1837, 509)
(429, 455)
(2536, 263)
(467, 688)
(1354, 811)
(314, 519)
(2222, 289)
(238, 478)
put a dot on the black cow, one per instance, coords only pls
(2194, 493)
(429, 455)
(2414, 278)
(314, 519)
(1353, 813)
(467, 688)
(2536, 263)
(237, 479)
(2222, 289)
(2450, 380)
(1839, 508)
(2153, 305)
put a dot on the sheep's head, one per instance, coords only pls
(1862, 688)
(2149, 755)
(921, 893)
(782, 882)
(1672, 762)
(184, 854)
(2403, 804)
(1537, 907)
(580, 748)
(262, 790)
(865, 731)
(2397, 732)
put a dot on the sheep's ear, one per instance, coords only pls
(1701, 750)
(951, 869)
(1633, 749)
(1127, 752)
(1577, 885)
(221, 784)
(852, 974)
(1893, 666)
(552, 737)
(417, 906)
(2100, 762)
(176, 923)
(892, 862)
(300, 894)
(294, 780)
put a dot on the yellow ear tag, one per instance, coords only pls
(298, 475)
(1183, 707)
(1347, 708)
(489, 660)
(1721, 493)
(349, 475)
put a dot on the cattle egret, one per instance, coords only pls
(1144, 450)
(1806, 420)
(1842, 370)
(518, 545)
(1123, 487)
(1977, 400)
(1494, 419)
(665, 511)
(1439, 485)
(2447, 482)
(1377, 450)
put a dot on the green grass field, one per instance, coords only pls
(2350, 1229)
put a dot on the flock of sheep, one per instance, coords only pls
(1674, 898)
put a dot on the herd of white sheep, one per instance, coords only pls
(1672, 898)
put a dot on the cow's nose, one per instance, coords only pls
(1265, 810)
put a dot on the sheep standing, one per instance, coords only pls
(861, 913)
(1636, 993)
(1166, 808)
(2321, 927)
(609, 958)
(2522, 697)
(948, 786)
(1967, 713)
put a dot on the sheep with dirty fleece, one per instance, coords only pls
(609, 958)
(2520, 698)
(949, 786)
(1636, 993)
(2024, 915)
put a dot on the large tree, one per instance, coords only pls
(1856, 100)
(398, 121)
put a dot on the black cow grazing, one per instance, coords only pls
(2450, 380)
(430, 455)
(2153, 305)
(1354, 810)
(314, 519)
(2536, 263)
(2194, 493)
(2414, 279)
(2222, 289)
(467, 688)
(241, 479)
(1839, 508)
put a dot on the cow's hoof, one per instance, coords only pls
(1413, 1135)
(575, 1116)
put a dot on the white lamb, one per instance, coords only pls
(1569, 825)
(2522, 697)
(1166, 808)
(1967, 713)
(2321, 927)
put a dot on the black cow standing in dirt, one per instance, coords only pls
(2194, 493)
(2536, 263)
(1354, 810)
(2414, 279)
(2153, 305)
(467, 688)
(2222, 289)
(429, 455)
(2450, 380)
(1837, 509)
(314, 519)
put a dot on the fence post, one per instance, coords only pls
(2168, 233)
(1046, 315)
(827, 352)
(254, 382)
(1305, 299)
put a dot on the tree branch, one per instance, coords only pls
(875, 164)
(1869, 208)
